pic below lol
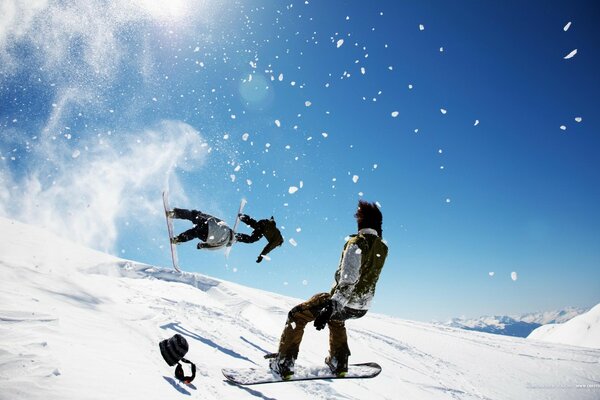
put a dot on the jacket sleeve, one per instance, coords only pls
(348, 275)
(251, 222)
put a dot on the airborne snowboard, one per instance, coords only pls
(255, 376)
(235, 225)
(165, 196)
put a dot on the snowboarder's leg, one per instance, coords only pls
(197, 217)
(338, 347)
(186, 236)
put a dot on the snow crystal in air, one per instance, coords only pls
(443, 111)
(395, 114)
(578, 119)
(571, 54)
(476, 122)
(307, 103)
(305, 282)
(292, 189)
(197, 49)
(301, 184)
(340, 43)
(249, 182)
(491, 273)
(563, 128)
(245, 136)
(324, 134)
(232, 177)
(76, 154)
(421, 27)
(298, 229)
(441, 49)
(513, 276)
(237, 168)
(226, 136)
(362, 70)
(293, 242)
(355, 178)
(232, 116)
(280, 77)
(375, 166)
(567, 26)
(410, 86)
(440, 151)
(448, 200)
(278, 123)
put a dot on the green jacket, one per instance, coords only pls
(361, 263)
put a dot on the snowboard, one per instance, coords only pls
(235, 225)
(165, 196)
(256, 376)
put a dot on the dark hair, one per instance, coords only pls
(368, 215)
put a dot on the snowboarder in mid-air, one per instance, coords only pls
(350, 297)
(214, 233)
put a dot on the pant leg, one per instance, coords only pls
(338, 341)
(188, 235)
(195, 216)
(299, 316)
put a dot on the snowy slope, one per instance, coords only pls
(583, 330)
(78, 324)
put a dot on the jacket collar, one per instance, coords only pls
(368, 231)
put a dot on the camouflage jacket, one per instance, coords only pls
(361, 263)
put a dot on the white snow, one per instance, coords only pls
(307, 103)
(571, 54)
(476, 122)
(278, 123)
(514, 276)
(245, 136)
(582, 330)
(567, 26)
(293, 242)
(292, 189)
(421, 27)
(395, 114)
(339, 43)
(443, 111)
(563, 128)
(76, 153)
(491, 273)
(578, 119)
(79, 324)
(355, 178)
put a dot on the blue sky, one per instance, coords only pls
(103, 107)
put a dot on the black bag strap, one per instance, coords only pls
(179, 372)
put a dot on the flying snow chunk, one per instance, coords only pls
(448, 200)
(514, 276)
(443, 111)
(197, 49)
(355, 178)
(571, 54)
(578, 119)
(476, 122)
(421, 27)
(278, 123)
(280, 78)
(362, 70)
(395, 114)
(76, 154)
(305, 282)
(292, 189)
(340, 43)
(245, 137)
(567, 26)
(226, 136)
(307, 103)
(248, 182)
(491, 273)
(324, 134)
(563, 128)
(293, 242)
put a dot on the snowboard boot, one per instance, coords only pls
(174, 240)
(337, 367)
(171, 214)
(283, 367)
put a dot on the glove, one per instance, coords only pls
(294, 311)
(243, 218)
(259, 259)
(324, 315)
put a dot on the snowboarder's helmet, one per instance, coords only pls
(173, 349)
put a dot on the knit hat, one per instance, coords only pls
(173, 349)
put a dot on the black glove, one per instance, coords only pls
(244, 218)
(259, 259)
(324, 315)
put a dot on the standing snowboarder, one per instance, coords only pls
(350, 297)
(214, 233)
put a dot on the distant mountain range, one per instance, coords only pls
(519, 326)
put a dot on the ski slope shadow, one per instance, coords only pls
(177, 387)
(253, 392)
(182, 331)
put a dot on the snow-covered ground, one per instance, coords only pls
(79, 324)
(583, 330)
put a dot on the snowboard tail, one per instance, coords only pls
(256, 376)
(165, 196)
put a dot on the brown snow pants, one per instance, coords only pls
(302, 314)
